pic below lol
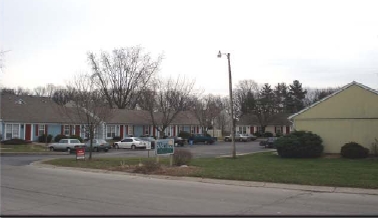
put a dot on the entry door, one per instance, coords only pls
(28, 132)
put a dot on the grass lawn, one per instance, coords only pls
(266, 167)
(22, 148)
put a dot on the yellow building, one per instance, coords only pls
(351, 114)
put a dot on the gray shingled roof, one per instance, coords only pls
(121, 116)
(277, 119)
(44, 110)
(34, 110)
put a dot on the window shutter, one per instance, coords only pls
(36, 129)
(46, 130)
(62, 129)
(70, 129)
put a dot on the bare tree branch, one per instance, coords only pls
(123, 75)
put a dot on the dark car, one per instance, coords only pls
(269, 142)
(202, 138)
(177, 140)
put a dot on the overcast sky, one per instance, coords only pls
(320, 43)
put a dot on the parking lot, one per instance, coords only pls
(198, 150)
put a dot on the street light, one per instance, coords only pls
(231, 103)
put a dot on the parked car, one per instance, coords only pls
(177, 140)
(269, 142)
(202, 138)
(98, 145)
(238, 137)
(251, 137)
(149, 139)
(130, 142)
(65, 145)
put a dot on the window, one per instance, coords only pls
(110, 131)
(147, 130)
(66, 130)
(192, 130)
(41, 129)
(63, 141)
(242, 130)
(259, 130)
(12, 131)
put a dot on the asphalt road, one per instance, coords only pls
(31, 190)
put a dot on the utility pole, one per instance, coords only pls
(231, 104)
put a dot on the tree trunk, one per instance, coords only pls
(91, 132)
(161, 134)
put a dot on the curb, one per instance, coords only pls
(324, 189)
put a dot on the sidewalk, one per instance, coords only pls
(325, 189)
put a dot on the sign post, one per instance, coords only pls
(165, 147)
(80, 153)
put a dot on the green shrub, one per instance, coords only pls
(278, 134)
(15, 142)
(148, 166)
(59, 137)
(353, 150)
(299, 144)
(76, 137)
(184, 135)
(182, 156)
(268, 134)
(42, 138)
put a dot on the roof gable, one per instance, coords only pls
(354, 99)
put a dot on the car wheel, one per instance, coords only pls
(51, 148)
(117, 147)
(69, 150)
(106, 150)
(96, 150)
(133, 147)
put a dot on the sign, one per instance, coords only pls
(164, 146)
(80, 153)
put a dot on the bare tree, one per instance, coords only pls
(207, 109)
(123, 75)
(63, 96)
(87, 106)
(40, 91)
(22, 91)
(244, 92)
(165, 99)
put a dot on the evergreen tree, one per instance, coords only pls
(280, 97)
(296, 97)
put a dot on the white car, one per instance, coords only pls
(130, 142)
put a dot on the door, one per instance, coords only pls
(121, 131)
(28, 132)
(287, 130)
